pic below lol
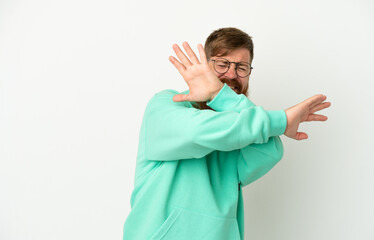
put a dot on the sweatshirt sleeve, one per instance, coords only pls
(176, 131)
(255, 160)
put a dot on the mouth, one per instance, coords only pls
(233, 84)
(235, 88)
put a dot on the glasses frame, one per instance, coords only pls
(236, 66)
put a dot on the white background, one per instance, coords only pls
(75, 77)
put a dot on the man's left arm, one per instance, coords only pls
(255, 160)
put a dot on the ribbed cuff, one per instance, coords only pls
(226, 98)
(278, 122)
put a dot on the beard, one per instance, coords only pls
(235, 85)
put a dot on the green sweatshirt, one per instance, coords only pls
(192, 164)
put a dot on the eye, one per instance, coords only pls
(222, 63)
(243, 68)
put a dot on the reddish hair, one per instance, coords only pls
(224, 40)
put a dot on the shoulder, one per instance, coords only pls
(167, 93)
(164, 98)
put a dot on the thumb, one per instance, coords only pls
(180, 97)
(301, 136)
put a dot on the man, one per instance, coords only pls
(198, 148)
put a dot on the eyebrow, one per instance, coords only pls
(223, 55)
(233, 61)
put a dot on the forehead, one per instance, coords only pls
(236, 55)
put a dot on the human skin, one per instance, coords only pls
(204, 84)
(231, 78)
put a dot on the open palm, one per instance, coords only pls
(201, 80)
(305, 112)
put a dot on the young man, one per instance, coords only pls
(197, 149)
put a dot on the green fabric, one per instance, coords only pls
(192, 163)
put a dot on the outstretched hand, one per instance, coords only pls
(204, 86)
(305, 112)
(201, 80)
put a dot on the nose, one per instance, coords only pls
(231, 73)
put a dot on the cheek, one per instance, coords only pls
(244, 82)
(220, 76)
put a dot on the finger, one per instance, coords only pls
(181, 68)
(182, 57)
(202, 53)
(301, 136)
(315, 100)
(320, 106)
(181, 98)
(316, 117)
(190, 53)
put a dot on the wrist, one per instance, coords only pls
(212, 96)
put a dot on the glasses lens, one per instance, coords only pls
(221, 65)
(243, 69)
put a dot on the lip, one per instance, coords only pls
(234, 85)
(235, 88)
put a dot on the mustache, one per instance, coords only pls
(232, 82)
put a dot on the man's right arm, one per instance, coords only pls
(204, 86)
(175, 130)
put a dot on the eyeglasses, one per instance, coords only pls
(222, 65)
